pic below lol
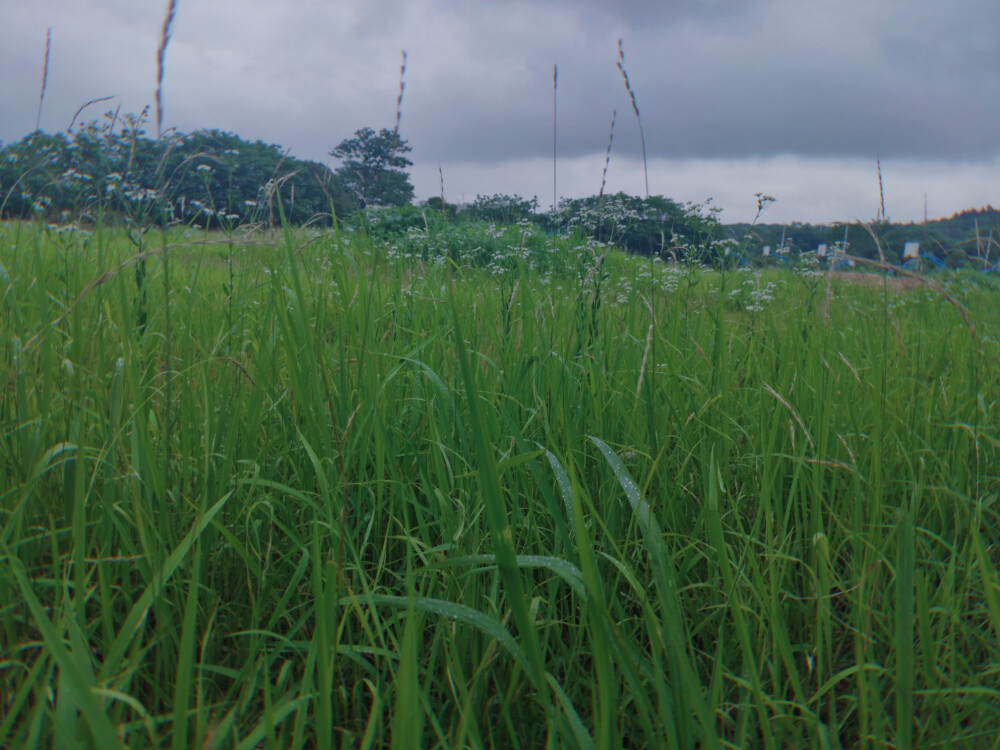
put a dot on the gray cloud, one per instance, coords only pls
(789, 78)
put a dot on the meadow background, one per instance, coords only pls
(305, 489)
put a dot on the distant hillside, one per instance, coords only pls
(958, 240)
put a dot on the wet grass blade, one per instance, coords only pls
(407, 721)
(905, 564)
(141, 607)
(687, 689)
(496, 513)
(74, 668)
(473, 618)
(566, 570)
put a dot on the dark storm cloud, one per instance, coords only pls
(638, 13)
(729, 79)
(715, 80)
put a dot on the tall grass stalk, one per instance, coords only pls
(45, 77)
(555, 91)
(399, 96)
(161, 56)
(607, 153)
(635, 110)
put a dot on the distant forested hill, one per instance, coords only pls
(957, 240)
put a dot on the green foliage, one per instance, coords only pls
(502, 232)
(499, 228)
(219, 178)
(422, 234)
(435, 203)
(373, 167)
(502, 209)
(111, 169)
(645, 226)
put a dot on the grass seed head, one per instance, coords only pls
(161, 53)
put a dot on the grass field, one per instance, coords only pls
(302, 491)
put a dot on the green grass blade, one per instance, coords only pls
(138, 612)
(905, 565)
(496, 513)
(581, 736)
(459, 613)
(686, 685)
(407, 723)
(74, 668)
(566, 570)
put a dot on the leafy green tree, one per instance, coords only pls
(439, 206)
(217, 178)
(110, 169)
(373, 167)
(646, 226)
(502, 208)
(35, 177)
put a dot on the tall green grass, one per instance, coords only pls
(348, 498)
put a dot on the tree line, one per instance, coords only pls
(110, 169)
(967, 238)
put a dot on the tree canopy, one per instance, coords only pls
(373, 167)
(110, 168)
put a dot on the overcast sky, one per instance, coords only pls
(792, 98)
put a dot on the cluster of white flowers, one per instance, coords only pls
(137, 193)
(71, 228)
(71, 176)
(499, 249)
(752, 295)
(613, 210)
(41, 203)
